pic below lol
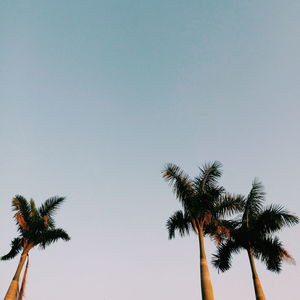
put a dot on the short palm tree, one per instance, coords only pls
(204, 204)
(36, 227)
(253, 232)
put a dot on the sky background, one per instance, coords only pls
(97, 96)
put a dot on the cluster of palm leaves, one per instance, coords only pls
(36, 227)
(206, 207)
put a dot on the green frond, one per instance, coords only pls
(256, 197)
(254, 201)
(33, 210)
(209, 176)
(270, 251)
(274, 218)
(51, 236)
(16, 247)
(222, 260)
(50, 206)
(182, 184)
(178, 221)
(229, 204)
(21, 206)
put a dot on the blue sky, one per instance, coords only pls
(97, 96)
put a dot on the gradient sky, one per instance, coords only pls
(97, 96)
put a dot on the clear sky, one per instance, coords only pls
(96, 96)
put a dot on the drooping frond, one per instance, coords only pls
(182, 184)
(274, 218)
(229, 204)
(16, 247)
(209, 175)
(178, 221)
(50, 236)
(271, 252)
(222, 260)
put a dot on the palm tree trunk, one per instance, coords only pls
(13, 288)
(22, 289)
(259, 293)
(206, 286)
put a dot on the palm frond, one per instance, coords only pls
(16, 247)
(22, 209)
(222, 260)
(51, 236)
(274, 218)
(256, 196)
(271, 252)
(182, 184)
(178, 221)
(209, 175)
(33, 210)
(229, 204)
(50, 206)
(254, 201)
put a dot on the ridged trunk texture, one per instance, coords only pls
(259, 293)
(14, 286)
(206, 286)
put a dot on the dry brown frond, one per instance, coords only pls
(46, 223)
(207, 218)
(21, 221)
(287, 257)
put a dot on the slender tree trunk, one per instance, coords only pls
(259, 293)
(206, 286)
(14, 286)
(22, 289)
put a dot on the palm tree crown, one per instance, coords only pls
(204, 202)
(36, 226)
(254, 232)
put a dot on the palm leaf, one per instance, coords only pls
(229, 204)
(208, 178)
(274, 218)
(22, 209)
(51, 236)
(178, 221)
(182, 184)
(50, 206)
(271, 252)
(16, 246)
(254, 201)
(222, 260)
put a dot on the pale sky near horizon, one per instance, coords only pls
(97, 96)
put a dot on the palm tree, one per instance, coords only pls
(204, 204)
(253, 232)
(36, 227)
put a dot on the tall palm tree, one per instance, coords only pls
(36, 227)
(204, 204)
(253, 232)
